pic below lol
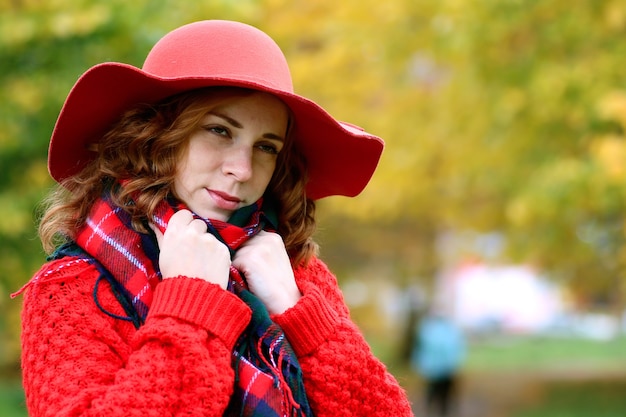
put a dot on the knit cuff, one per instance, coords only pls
(204, 304)
(309, 323)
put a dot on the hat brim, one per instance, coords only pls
(341, 158)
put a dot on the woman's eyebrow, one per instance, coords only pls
(238, 125)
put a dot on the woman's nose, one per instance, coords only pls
(238, 163)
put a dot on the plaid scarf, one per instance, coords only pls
(268, 378)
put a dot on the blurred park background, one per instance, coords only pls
(500, 193)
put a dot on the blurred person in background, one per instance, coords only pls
(437, 357)
(183, 278)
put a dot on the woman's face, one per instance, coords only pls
(230, 160)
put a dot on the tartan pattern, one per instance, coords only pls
(268, 378)
(118, 248)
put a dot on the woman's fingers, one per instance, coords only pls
(186, 249)
(264, 261)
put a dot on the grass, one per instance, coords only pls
(539, 354)
(573, 377)
(12, 399)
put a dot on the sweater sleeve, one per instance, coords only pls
(342, 376)
(79, 361)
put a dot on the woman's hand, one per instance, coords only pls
(188, 250)
(265, 263)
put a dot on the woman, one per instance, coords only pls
(184, 279)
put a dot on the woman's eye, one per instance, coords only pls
(269, 148)
(218, 130)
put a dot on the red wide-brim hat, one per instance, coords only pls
(341, 158)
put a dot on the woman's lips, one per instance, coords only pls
(224, 201)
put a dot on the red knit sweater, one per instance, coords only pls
(78, 361)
